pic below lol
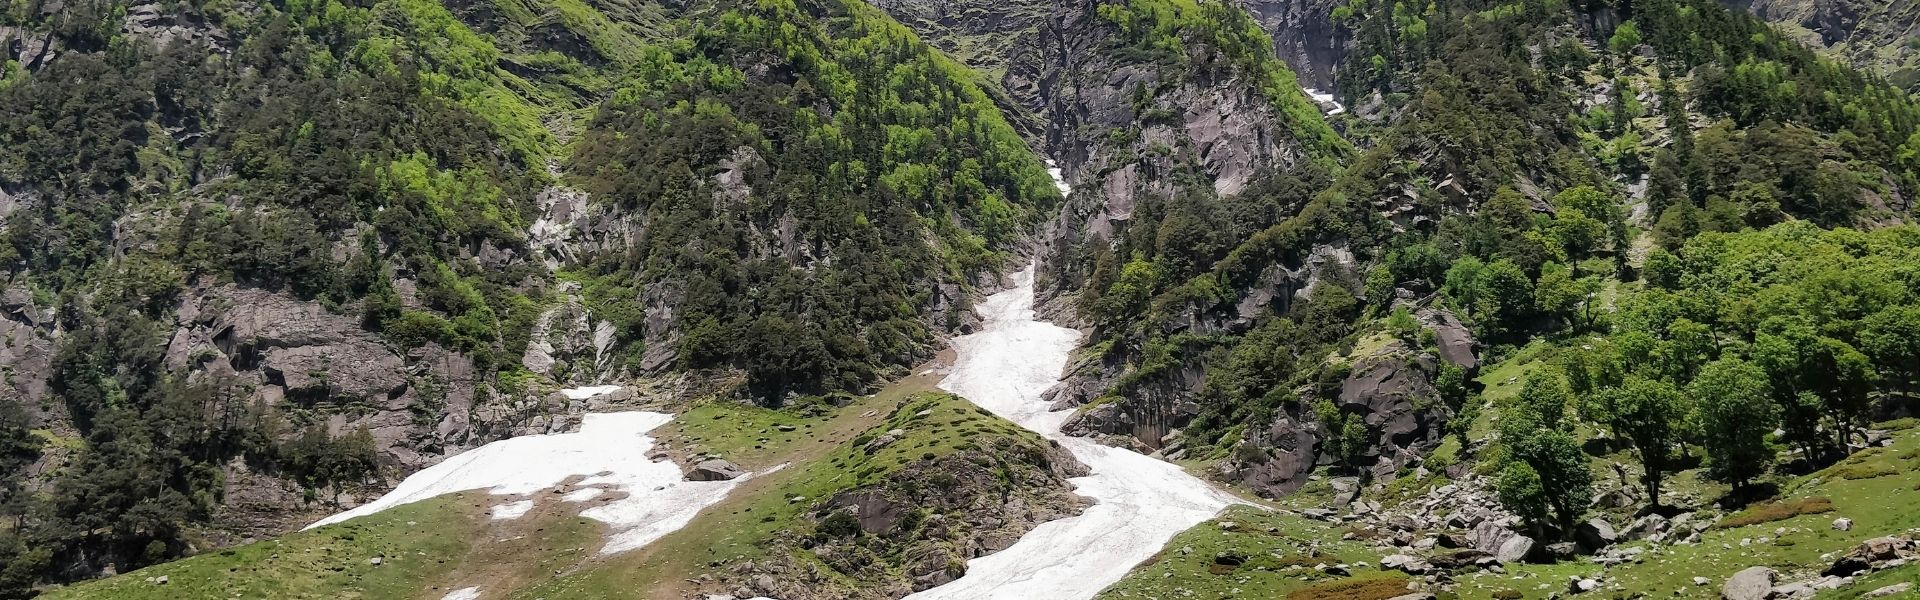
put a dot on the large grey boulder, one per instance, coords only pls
(1515, 549)
(713, 470)
(1751, 583)
(1595, 534)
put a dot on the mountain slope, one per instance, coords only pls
(288, 252)
(1872, 35)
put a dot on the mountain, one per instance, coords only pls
(1877, 36)
(1455, 299)
(264, 255)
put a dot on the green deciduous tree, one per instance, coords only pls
(1734, 412)
(1650, 415)
(1544, 471)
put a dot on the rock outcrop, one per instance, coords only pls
(1391, 389)
(915, 526)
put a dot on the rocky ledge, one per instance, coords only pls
(915, 526)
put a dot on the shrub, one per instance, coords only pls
(1777, 511)
(1861, 471)
(1354, 588)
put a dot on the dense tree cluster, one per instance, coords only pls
(1793, 325)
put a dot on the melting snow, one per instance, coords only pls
(582, 393)
(1326, 99)
(1059, 179)
(512, 510)
(469, 593)
(610, 449)
(1143, 502)
(582, 495)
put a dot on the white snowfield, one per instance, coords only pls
(1143, 502)
(610, 450)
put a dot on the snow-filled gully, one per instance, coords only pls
(1142, 502)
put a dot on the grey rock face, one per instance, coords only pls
(1304, 36)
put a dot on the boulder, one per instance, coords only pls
(1891, 590)
(1487, 536)
(1580, 585)
(1793, 590)
(1843, 524)
(884, 440)
(1515, 549)
(1751, 583)
(1862, 557)
(1412, 565)
(1414, 596)
(1646, 527)
(1563, 551)
(1595, 534)
(713, 470)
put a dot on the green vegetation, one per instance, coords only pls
(413, 543)
(1797, 529)
(1544, 476)
(1250, 552)
(877, 146)
(1777, 511)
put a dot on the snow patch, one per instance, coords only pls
(582, 494)
(610, 450)
(1059, 178)
(466, 593)
(1142, 502)
(1327, 103)
(511, 510)
(583, 393)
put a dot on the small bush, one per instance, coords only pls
(1854, 472)
(1777, 511)
(1355, 588)
(1900, 424)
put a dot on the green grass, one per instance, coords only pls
(1274, 549)
(413, 542)
(743, 433)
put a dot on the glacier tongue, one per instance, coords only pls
(1143, 502)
